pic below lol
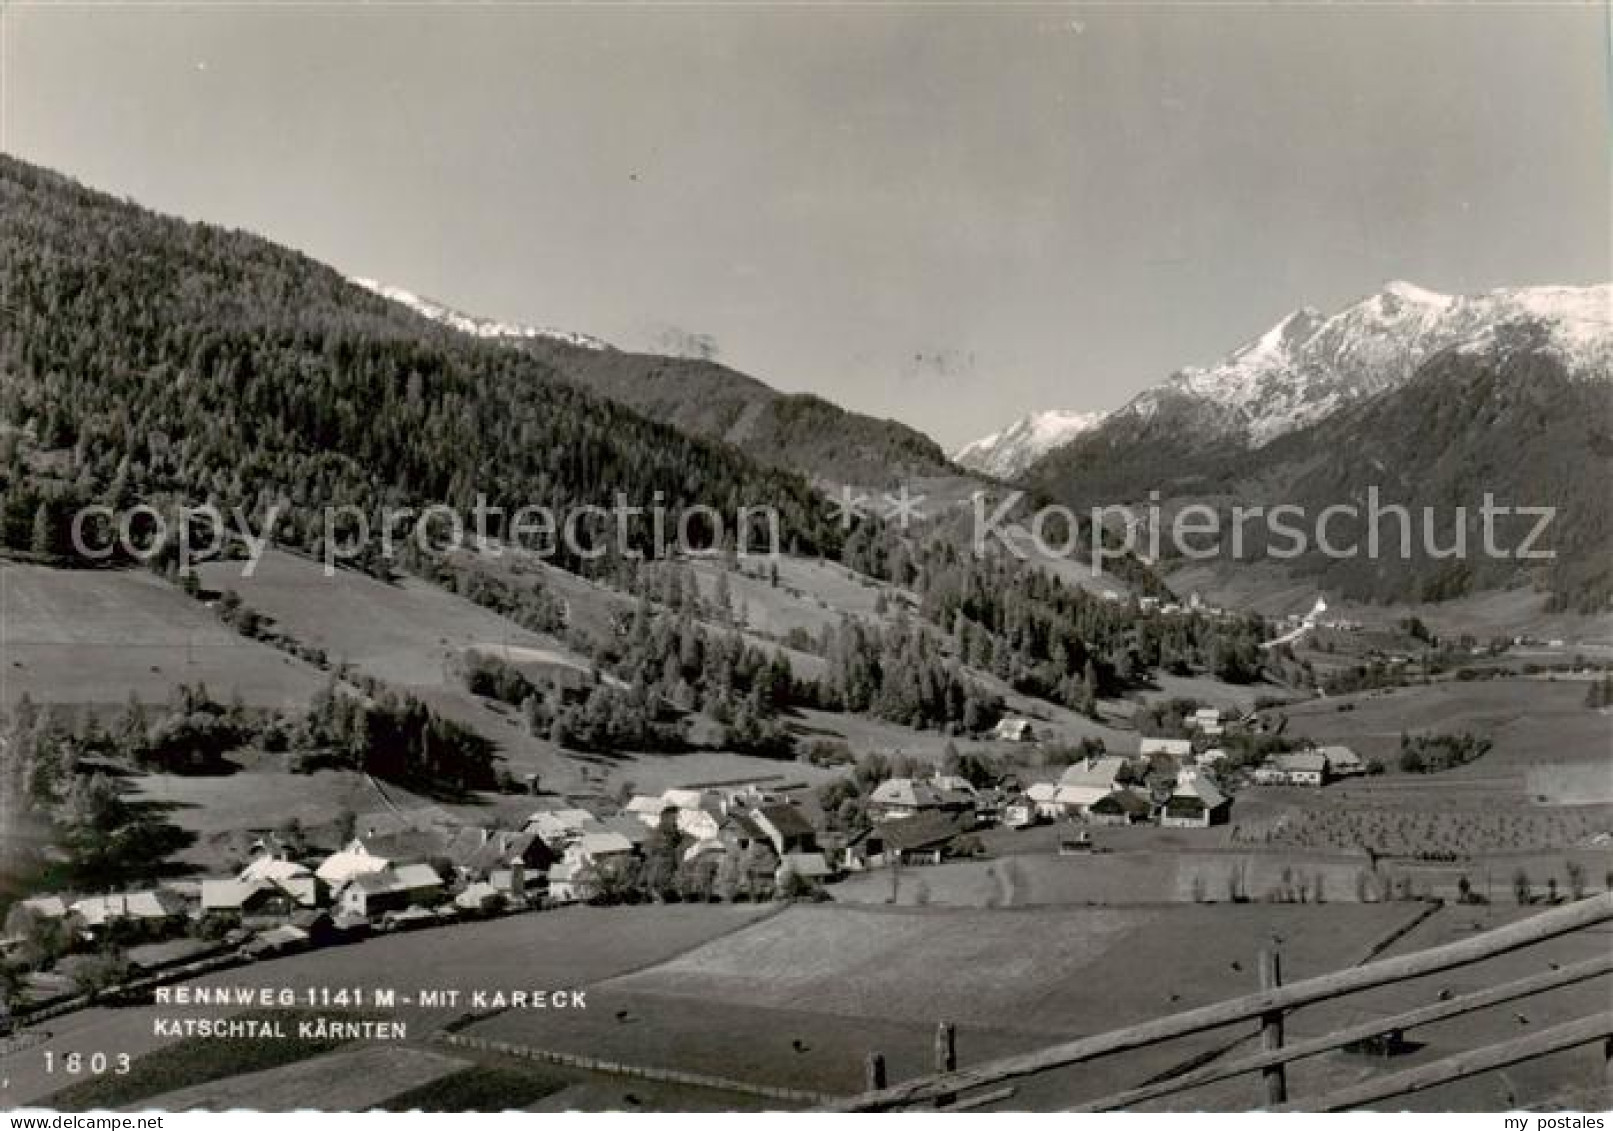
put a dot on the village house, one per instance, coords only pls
(557, 827)
(480, 898)
(242, 897)
(906, 797)
(646, 808)
(786, 828)
(1087, 781)
(1194, 803)
(988, 804)
(272, 869)
(299, 886)
(1177, 748)
(156, 906)
(600, 848)
(354, 860)
(518, 882)
(635, 832)
(478, 852)
(389, 889)
(1303, 768)
(699, 812)
(1044, 797)
(1020, 811)
(278, 940)
(565, 881)
(922, 839)
(813, 866)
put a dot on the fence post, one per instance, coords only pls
(1271, 1029)
(874, 1072)
(946, 1058)
(946, 1047)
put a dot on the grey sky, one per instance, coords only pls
(946, 215)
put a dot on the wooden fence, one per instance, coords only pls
(961, 1088)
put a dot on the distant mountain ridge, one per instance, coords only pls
(796, 431)
(472, 324)
(1309, 365)
(1434, 401)
(1006, 453)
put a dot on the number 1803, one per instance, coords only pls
(81, 1064)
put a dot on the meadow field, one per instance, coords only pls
(410, 634)
(806, 994)
(94, 637)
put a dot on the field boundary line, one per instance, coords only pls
(637, 1071)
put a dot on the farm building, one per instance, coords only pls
(1121, 807)
(1342, 762)
(924, 839)
(1014, 730)
(1195, 803)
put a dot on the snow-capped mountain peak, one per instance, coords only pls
(471, 324)
(1309, 365)
(1006, 453)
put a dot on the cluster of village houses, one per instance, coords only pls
(436, 870)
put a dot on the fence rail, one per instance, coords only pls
(1273, 1003)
